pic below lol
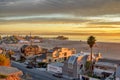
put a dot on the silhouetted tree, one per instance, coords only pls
(91, 41)
(0, 37)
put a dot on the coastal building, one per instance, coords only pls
(41, 58)
(10, 73)
(36, 40)
(75, 65)
(28, 50)
(55, 67)
(59, 54)
(106, 67)
(23, 42)
(1, 50)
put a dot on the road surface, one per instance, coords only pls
(35, 73)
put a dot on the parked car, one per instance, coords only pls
(29, 66)
(26, 63)
(59, 75)
(76, 79)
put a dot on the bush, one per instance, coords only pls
(42, 64)
(87, 65)
(3, 76)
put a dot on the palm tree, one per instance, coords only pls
(0, 37)
(91, 41)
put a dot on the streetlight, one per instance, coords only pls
(115, 72)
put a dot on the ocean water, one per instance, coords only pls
(115, 39)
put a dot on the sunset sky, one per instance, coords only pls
(64, 16)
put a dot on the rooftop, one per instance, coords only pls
(57, 64)
(81, 54)
(50, 51)
(9, 70)
(109, 60)
(24, 46)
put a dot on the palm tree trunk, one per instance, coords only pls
(91, 55)
(91, 62)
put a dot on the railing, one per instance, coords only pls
(84, 77)
(111, 77)
(101, 70)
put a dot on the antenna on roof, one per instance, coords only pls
(30, 39)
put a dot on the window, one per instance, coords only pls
(65, 58)
(81, 66)
(71, 61)
(49, 60)
(55, 60)
(65, 54)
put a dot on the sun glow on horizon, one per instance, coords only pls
(62, 28)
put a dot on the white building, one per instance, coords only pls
(106, 67)
(118, 73)
(75, 65)
(55, 67)
(36, 41)
(23, 42)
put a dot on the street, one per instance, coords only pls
(35, 73)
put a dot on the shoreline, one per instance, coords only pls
(96, 41)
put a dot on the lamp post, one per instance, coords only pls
(115, 72)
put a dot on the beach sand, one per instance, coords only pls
(108, 50)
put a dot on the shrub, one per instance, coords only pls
(3, 76)
(87, 65)
(42, 64)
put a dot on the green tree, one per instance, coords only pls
(91, 41)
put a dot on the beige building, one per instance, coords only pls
(59, 54)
